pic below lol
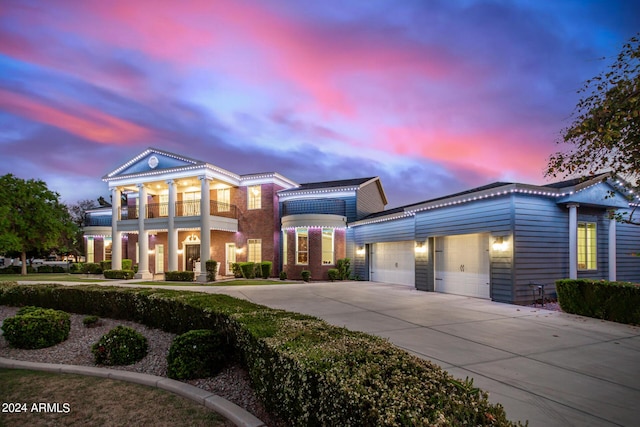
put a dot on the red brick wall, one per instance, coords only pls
(318, 271)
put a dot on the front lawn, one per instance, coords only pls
(52, 277)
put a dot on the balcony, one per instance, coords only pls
(314, 206)
(183, 209)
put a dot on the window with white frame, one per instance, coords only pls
(107, 249)
(90, 249)
(302, 246)
(254, 197)
(328, 246)
(285, 247)
(164, 204)
(254, 249)
(224, 199)
(587, 246)
(191, 203)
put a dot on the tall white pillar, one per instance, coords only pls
(573, 240)
(116, 236)
(143, 236)
(172, 233)
(205, 228)
(612, 246)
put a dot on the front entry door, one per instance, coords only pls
(231, 257)
(192, 255)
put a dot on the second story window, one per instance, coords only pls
(224, 199)
(254, 197)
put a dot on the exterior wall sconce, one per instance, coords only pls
(180, 251)
(421, 248)
(499, 244)
(152, 251)
(360, 250)
(239, 250)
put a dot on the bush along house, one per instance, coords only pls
(500, 241)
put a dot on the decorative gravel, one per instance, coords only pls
(232, 383)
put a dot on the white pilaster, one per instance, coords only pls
(116, 236)
(573, 240)
(172, 233)
(612, 246)
(205, 228)
(143, 236)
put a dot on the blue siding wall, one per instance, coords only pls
(489, 215)
(388, 231)
(628, 243)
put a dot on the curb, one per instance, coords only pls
(234, 413)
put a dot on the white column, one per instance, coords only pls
(172, 233)
(205, 228)
(573, 240)
(612, 246)
(143, 236)
(116, 236)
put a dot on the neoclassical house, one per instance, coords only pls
(500, 241)
(170, 212)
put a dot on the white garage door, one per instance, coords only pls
(393, 262)
(462, 265)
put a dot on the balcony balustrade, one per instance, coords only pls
(189, 208)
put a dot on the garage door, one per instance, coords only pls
(393, 262)
(462, 265)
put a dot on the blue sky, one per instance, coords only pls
(434, 97)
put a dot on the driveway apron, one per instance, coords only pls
(551, 368)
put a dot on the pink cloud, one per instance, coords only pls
(83, 121)
(485, 153)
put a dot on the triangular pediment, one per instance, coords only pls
(601, 194)
(152, 161)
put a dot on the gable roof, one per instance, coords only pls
(584, 191)
(352, 184)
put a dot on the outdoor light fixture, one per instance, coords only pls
(238, 250)
(421, 248)
(499, 244)
(360, 250)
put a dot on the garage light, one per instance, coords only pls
(421, 248)
(360, 250)
(499, 244)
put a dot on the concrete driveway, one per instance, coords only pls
(550, 368)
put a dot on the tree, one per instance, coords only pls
(605, 132)
(78, 213)
(31, 217)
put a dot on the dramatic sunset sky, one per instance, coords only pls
(433, 96)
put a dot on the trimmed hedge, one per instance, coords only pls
(265, 269)
(334, 274)
(119, 274)
(50, 269)
(248, 269)
(36, 327)
(212, 268)
(199, 353)
(615, 301)
(179, 276)
(305, 370)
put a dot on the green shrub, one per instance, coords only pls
(306, 275)
(212, 269)
(105, 265)
(127, 264)
(11, 269)
(334, 274)
(91, 321)
(237, 271)
(119, 274)
(90, 268)
(120, 346)
(35, 327)
(199, 353)
(265, 269)
(179, 276)
(615, 301)
(248, 269)
(305, 370)
(344, 268)
(75, 268)
(283, 275)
